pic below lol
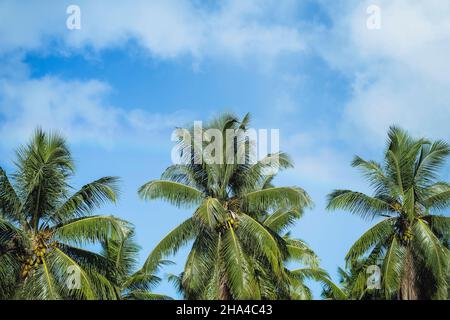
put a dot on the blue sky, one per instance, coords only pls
(119, 86)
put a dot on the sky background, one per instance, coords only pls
(117, 88)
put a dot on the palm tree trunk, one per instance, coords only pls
(408, 286)
(224, 291)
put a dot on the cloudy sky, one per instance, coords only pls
(313, 69)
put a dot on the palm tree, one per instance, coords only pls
(43, 226)
(411, 239)
(232, 249)
(129, 284)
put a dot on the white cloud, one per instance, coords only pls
(254, 31)
(79, 110)
(401, 72)
(324, 166)
(166, 29)
(317, 161)
(403, 98)
(25, 25)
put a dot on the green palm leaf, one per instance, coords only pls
(9, 200)
(179, 194)
(91, 196)
(237, 269)
(393, 267)
(357, 203)
(375, 235)
(177, 238)
(282, 219)
(90, 229)
(274, 198)
(436, 256)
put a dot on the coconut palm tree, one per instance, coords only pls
(43, 227)
(294, 286)
(411, 239)
(129, 284)
(230, 243)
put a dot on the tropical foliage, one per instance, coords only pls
(43, 226)
(122, 253)
(353, 283)
(299, 253)
(54, 246)
(237, 251)
(410, 236)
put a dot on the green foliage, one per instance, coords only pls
(241, 247)
(129, 283)
(41, 225)
(411, 242)
(237, 251)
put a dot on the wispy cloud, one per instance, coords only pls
(251, 31)
(400, 72)
(79, 110)
(166, 29)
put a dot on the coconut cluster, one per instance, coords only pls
(407, 235)
(39, 247)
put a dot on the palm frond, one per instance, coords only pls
(177, 238)
(211, 213)
(379, 233)
(91, 196)
(282, 219)
(9, 200)
(300, 252)
(439, 199)
(276, 197)
(431, 159)
(436, 256)
(238, 270)
(197, 270)
(90, 229)
(264, 241)
(393, 266)
(358, 203)
(178, 194)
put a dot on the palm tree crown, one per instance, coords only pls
(411, 240)
(42, 226)
(234, 254)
